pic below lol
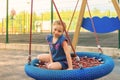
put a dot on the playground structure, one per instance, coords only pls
(93, 22)
(19, 64)
(28, 67)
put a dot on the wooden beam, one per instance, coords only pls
(79, 22)
(117, 8)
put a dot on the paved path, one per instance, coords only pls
(12, 65)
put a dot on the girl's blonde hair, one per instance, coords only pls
(58, 22)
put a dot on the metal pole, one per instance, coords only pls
(7, 21)
(118, 35)
(24, 22)
(119, 39)
(51, 15)
(2, 25)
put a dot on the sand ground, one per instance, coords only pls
(12, 65)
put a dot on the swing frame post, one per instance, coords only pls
(7, 38)
(51, 15)
(117, 8)
(118, 39)
(79, 22)
(118, 33)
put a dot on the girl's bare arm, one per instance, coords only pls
(68, 56)
(51, 60)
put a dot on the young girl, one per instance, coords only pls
(59, 55)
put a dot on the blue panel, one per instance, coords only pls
(102, 25)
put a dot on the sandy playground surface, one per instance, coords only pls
(12, 65)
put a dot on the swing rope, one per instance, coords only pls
(72, 15)
(93, 26)
(29, 57)
(30, 39)
(64, 29)
(95, 34)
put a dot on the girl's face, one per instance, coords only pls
(57, 30)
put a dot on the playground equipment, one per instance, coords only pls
(90, 73)
(103, 25)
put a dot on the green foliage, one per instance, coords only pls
(21, 21)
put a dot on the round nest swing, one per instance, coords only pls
(89, 73)
(84, 71)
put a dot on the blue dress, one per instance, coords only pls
(57, 51)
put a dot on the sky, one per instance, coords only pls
(44, 5)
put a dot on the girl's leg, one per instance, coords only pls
(44, 57)
(55, 66)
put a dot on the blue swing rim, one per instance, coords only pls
(90, 73)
